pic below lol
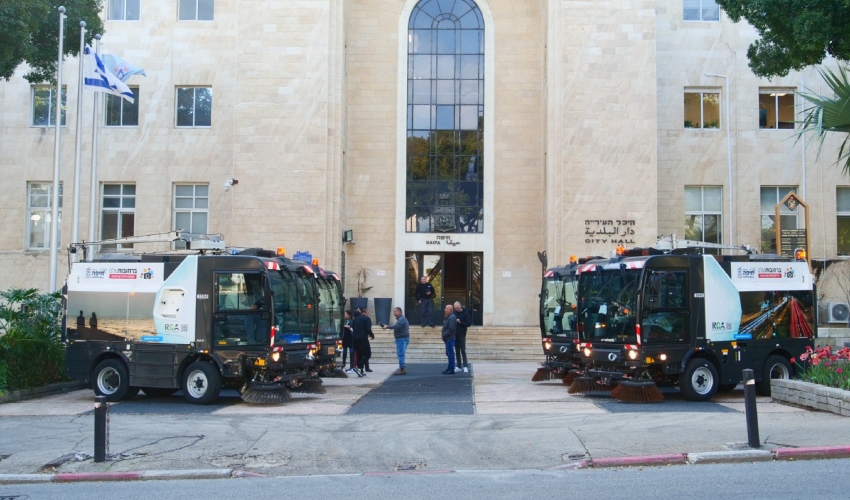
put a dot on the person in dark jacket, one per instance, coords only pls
(348, 343)
(361, 329)
(401, 332)
(464, 320)
(425, 295)
(449, 328)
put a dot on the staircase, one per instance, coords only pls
(483, 343)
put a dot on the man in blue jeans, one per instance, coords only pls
(449, 328)
(401, 332)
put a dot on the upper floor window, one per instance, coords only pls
(118, 214)
(445, 117)
(44, 106)
(196, 10)
(194, 106)
(124, 10)
(39, 213)
(191, 207)
(704, 213)
(122, 113)
(776, 108)
(702, 109)
(701, 10)
(843, 212)
(770, 197)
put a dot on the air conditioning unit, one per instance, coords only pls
(837, 312)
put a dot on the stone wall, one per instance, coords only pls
(811, 395)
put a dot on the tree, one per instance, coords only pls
(830, 114)
(794, 33)
(29, 33)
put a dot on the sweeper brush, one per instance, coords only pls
(544, 373)
(583, 385)
(637, 391)
(568, 378)
(271, 397)
(336, 373)
(310, 386)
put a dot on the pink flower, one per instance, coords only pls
(838, 371)
(793, 360)
(804, 356)
(826, 365)
(815, 361)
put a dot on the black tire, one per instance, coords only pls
(700, 381)
(201, 383)
(158, 392)
(111, 380)
(777, 367)
(726, 387)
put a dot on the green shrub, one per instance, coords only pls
(31, 350)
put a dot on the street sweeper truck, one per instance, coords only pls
(651, 317)
(197, 321)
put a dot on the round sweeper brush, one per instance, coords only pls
(583, 385)
(637, 391)
(310, 386)
(271, 397)
(568, 378)
(542, 374)
(336, 373)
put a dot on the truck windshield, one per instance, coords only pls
(330, 309)
(558, 306)
(294, 308)
(607, 304)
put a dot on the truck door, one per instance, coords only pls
(241, 310)
(665, 313)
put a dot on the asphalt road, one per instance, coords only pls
(767, 480)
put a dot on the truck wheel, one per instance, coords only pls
(700, 381)
(201, 383)
(111, 380)
(775, 367)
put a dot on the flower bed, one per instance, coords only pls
(824, 384)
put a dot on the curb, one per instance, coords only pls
(719, 457)
(812, 453)
(149, 475)
(674, 459)
(40, 392)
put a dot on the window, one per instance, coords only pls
(770, 197)
(702, 109)
(122, 113)
(704, 213)
(776, 108)
(195, 10)
(39, 213)
(240, 305)
(194, 106)
(843, 209)
(124, 10)
(43, 106)
(191, 207)
(701, 10)
(445, 118)
(119, 214)
(665, 307)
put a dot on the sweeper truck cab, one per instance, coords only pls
(330, 321)
(692, 320)
(197, 323)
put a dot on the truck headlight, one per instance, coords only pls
(633, 355)
(275, 357)
(587, 352)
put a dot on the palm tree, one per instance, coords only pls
(830, 114)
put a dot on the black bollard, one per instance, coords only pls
(101, 424)
(750, 407)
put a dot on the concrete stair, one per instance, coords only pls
(483, 343)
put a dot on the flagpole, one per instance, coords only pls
(75, 230)
(94, 183)
(54, 209)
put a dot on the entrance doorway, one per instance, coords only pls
(455, 276)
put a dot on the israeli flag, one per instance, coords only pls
(98, 79)
(121, 68)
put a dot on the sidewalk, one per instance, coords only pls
(517, 425)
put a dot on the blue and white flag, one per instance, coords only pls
(121, 68)
(98, 79)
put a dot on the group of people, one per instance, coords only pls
(358, 332)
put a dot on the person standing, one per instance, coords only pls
(347, 343)
(371, 335)
(401, 332)
(425, 294)
(449, 328)
(464, 320)
(361, 326)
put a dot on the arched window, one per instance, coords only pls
(445, 117)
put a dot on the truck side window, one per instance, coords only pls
(665, 306)
(239, 301)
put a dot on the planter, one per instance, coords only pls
(383, 307)
(356, 302)
(816, 396)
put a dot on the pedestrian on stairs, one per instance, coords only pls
(449, 328)
(464, 319)
(401, 332)
(425, 294)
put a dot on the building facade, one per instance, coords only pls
(454, 138)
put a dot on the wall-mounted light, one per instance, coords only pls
(348, 236)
